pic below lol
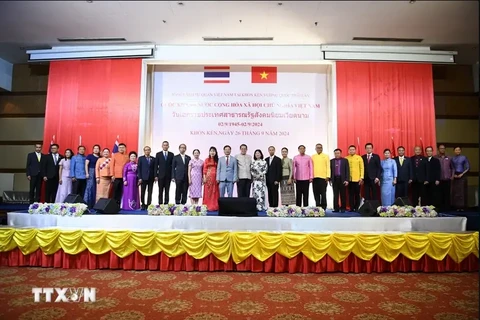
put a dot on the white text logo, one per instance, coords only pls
(65, 294)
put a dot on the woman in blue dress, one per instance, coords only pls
(389, 179)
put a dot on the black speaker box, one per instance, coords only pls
(369, 208)
(73, 198)
(237, 207)
(106, 206)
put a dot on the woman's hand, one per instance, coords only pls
(60, 181)
(394, 181)
(98, 181)
(125, 183)
(87, 176)
(289, 181)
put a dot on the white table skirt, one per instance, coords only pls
(168, 223)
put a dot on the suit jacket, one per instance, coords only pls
(163, 168)
(404, 171)
(373, 169)
(180, 169)
(274, 171)
(34, 167)
(49, 168)
(146, 171)
(344, 169)
(434, 170)
(419, 174)
(227, 173)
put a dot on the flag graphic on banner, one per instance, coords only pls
(115, 146)
(216, 74)
(358, 144)
(80, 141)
(421, 146)
(264, 74)
(53, 140)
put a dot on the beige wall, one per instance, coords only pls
(457, 130)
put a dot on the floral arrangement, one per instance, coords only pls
(176, 210)
(293, 211)
(407, 211)
(59, 209)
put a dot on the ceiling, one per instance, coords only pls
(444, 24)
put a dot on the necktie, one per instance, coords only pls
(38, 157)
(55, 157)
(227, 161)
(183, 159)
(401, 161)
(368, 159)
(165, 155)
(148, 160)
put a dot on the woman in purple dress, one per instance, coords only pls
(65, 182)
(195, 176)
(461, 166)
(131, 198)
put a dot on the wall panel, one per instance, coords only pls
(17, 156)
(457, 131)
(30, 77)
(18, 129)
(456, 106)
(32, 104)
(453, 78)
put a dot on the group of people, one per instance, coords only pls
(433, 180)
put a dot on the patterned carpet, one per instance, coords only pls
(136, 295)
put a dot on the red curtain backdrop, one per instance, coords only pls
(380, 101)
(95, 99)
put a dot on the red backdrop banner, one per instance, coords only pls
(96, 100)
(386, 104)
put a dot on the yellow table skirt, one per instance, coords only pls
(241, 245)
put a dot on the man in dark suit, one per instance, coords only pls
(434, 171)
(404, 173)
(340, 174)
(274, 177)
(50, 173)
(180, 174)
(163, 172)
(373, 172)
(419, 175)
(146, 176)
(34, 160)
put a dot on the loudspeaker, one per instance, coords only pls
(73, 198)
(404, 201)
(106, 206)
(237, 207)
(369, 208)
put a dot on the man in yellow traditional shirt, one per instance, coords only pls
(321, 175)
(356, 177)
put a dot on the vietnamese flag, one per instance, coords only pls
(264, 74)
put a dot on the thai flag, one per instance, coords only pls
(53, 140)
(115, 146)
(216, 74)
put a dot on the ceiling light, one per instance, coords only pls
(89, 1)
(164, 21)
(412, 1)
(180, 3)
(279, 3)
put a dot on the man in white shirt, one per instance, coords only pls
(244, 161)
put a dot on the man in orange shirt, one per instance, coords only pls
(119, 160)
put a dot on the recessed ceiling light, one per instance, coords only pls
(412, 1)
(89, 1)
(180, 3)
(164, 21)
(279, 3)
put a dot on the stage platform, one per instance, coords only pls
(332, 222)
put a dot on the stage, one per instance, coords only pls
(332, 222)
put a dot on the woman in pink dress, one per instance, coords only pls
(195, 176)
(131, 197)
(65, 182)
